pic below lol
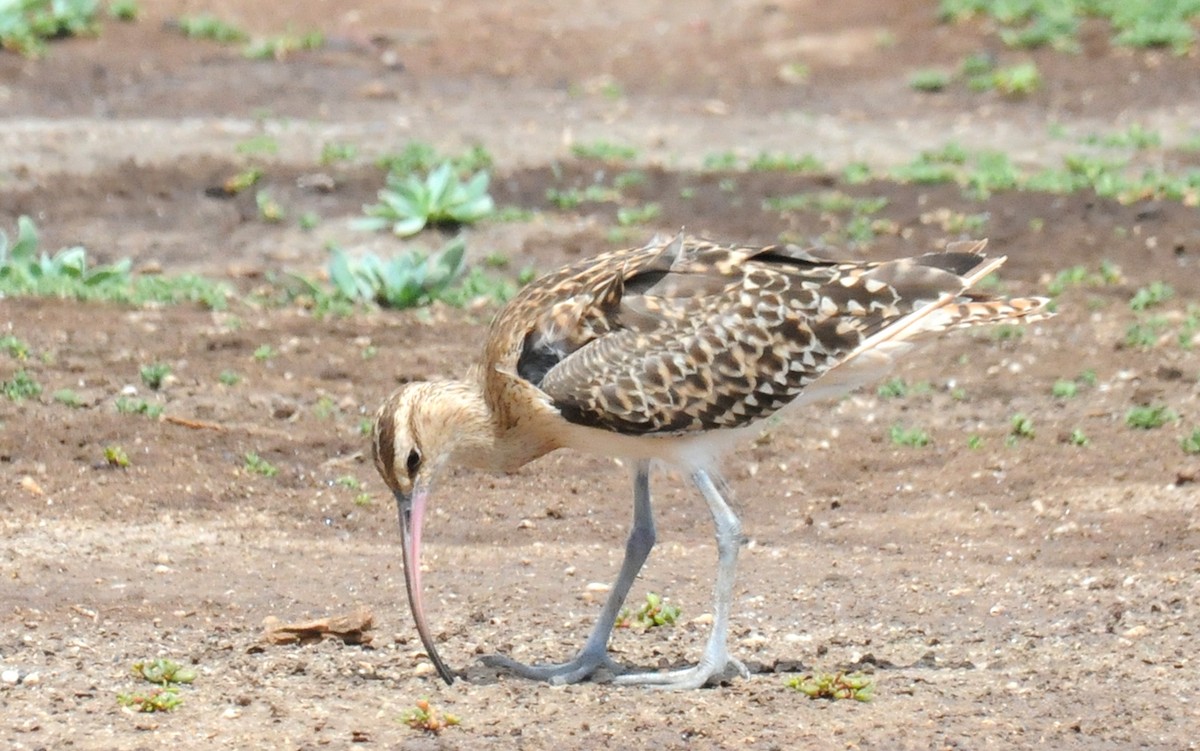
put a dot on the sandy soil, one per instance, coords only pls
(1019, 594)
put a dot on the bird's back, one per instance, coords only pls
(684, 335)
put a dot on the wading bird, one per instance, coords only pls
(667, 352)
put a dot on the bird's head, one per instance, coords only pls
(420, 428)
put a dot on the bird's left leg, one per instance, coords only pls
(594, 654)
(715, 663)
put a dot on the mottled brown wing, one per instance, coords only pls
(730, 335)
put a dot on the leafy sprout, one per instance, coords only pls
(410, 202)
(404, 281)
(834, 686)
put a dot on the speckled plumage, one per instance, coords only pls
(661, 352)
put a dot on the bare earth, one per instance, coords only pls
(1029, 595)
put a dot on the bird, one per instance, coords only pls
(668, 353)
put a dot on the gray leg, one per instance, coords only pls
(716, 662)
(594, 654)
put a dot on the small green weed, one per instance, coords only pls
(260, 144)
(1150, 417)
(894, 388)
(26, 25)
(974, 442)
(336, 151)
(420, 158)
(1021, 427)
(348, 481)
(154, 700)
(229, 378)
(1191, 443)
(768, 162)
(1153, 294)
(1078, 438)
(124, 10)
(652, 613)
(14, 347)
(427, 718)
(21, 386)
(604, 151)
(265, 352)
(405, 281)
(115, 456)
(269, 209)
(1064, 389)
(207, 26)
(834, 686)
(164, 672)
(68, 398)
(279, 46)
(252, 462)
(154, 373)
(628, 216)
(127, 406)
(911, 437)
(929, 80)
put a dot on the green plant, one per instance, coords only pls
(410, 202)
(348, 481)
(269, 210)
(929, 80)
(363, 499)
(427, 718)
(768, 162)
(21, 386)
(229, 378)
(26, 25)
(604, 151)
(127, 406)
(723, 161)
(15, 348)
(308, 221)
(652, 613)
(164, 672)
(1150, 417)
(124, 10)
(631, 215)
(834, 686)
(1064, 389)
(894, 388)
(405, 281)
(1191, 442)
(1017, 80)
(154, 373)
(336, 151)
(974, 442)
(1153, 294)
(155, 700)
(420, 157)
(260, 144)
(23, 271)
(279, 46)
(67, 398)
(1021, 426)
(1078, 438)
(252, 462)
(115, 456)
(911, 437)
(264, 352)
(207, 26)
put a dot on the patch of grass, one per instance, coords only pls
(630, 179)
(14, 347)
(348, 481)
(974, 442)
(604, 151)
(929, 80)
(721, 161)
(1063, 389)
(240, 181)
(127, 406)
(265, 352)
(115, 456)
(427, 718)
(1191, 443)
(420, 158)
(20, 387)
(153, 374)
(409, 202)
(229, 378)
(768, 162)
(571, 198)
(252, 462)
(67, 274)
(1150, 417)
(308, 221)
(1021, 428)
(124, 10)
(910, 437)
(1078, 438)
(1146, 333)
(260, 144)
(652, 613)
(279, 46)
(67, 398)
(894, 388)
(208, 26)
(1151, 295)
(26, 25)
(337, 151)
(834, 686)
(628, 216)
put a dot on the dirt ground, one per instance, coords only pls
(1023, 593)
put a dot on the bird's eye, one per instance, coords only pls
(413, 462)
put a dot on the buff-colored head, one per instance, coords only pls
(420, 428)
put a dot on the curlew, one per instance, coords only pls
(667, 352)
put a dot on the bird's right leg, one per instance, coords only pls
(594, 654)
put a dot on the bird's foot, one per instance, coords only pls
(585, 666)
(708, 671)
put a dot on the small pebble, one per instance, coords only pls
(11, 677)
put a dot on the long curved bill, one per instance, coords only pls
(412, 512)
